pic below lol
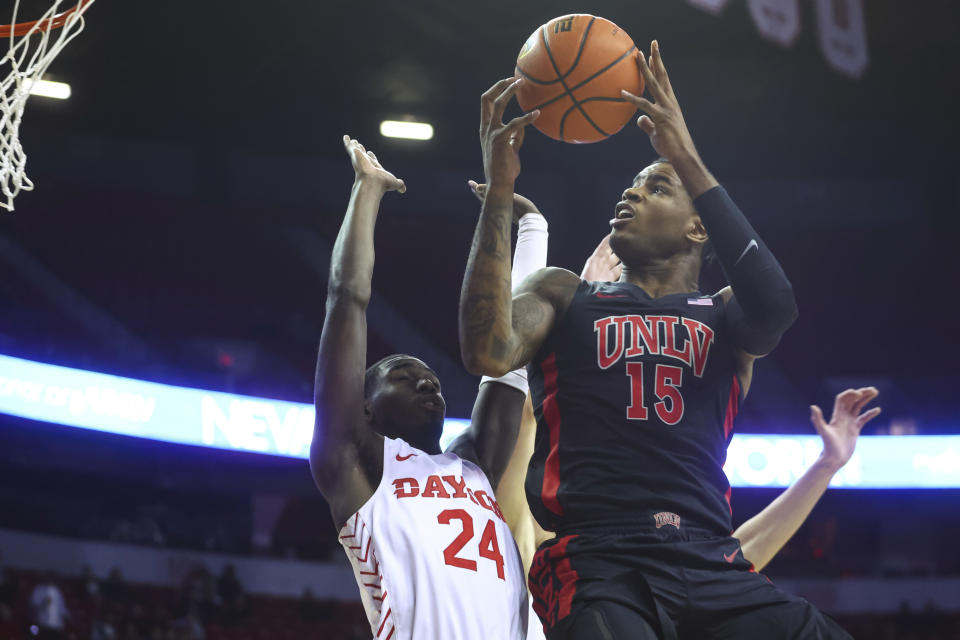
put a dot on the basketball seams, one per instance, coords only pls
(583, 44)
(589, 79)
(527, 76)
(585, 101)
(576, 103)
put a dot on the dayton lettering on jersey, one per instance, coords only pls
(635, 335)
(436, 487)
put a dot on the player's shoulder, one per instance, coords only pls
(556, 277)
(554, 284)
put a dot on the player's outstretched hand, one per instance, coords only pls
(367, 167)
(501, 142)
(603, 265)
(662, 120)
(840, 434)
(521, 205)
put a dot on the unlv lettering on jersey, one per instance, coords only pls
(635, 335)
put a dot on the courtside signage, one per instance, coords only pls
(102, 402)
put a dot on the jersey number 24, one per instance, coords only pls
(489, 547)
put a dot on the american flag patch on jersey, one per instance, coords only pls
(703, 302)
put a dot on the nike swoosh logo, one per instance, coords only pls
(405, 458)
(730, 558)
(751, 244)
(608, 295)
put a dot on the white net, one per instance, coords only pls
(25, 62)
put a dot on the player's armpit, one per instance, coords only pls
(492, 433)
(744, 360)
(537, 302)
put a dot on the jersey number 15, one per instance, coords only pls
(667, 382)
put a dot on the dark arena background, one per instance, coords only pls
(190, 189)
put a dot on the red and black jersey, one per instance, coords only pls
(634, 399)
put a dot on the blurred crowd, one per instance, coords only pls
(51, 606)
(209, 607)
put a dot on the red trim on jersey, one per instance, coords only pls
(733, 405)
(383, 622)
(553, 582)
(551, 413)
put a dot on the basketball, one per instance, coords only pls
(574, 67)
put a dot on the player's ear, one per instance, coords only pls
(368, 412)
(696, 232)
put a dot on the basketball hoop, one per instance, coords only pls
(33, 46)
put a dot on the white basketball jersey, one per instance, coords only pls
(432, 554)
(535, 628)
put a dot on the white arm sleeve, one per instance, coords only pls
(531, 252)
(530, 256)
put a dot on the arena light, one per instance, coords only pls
(407, 130)
(50, 89)
(102, 402)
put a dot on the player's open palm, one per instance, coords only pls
(662, 120)
(603, 265)
(521, 205)
(840, 434)
(367, 167)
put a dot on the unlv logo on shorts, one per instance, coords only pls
(665, 517)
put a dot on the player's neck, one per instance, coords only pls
(677, 274)
(428, 443)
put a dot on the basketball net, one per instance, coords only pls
(33, 46)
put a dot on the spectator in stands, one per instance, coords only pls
(137, 625)
(104, 627)
(129, 631)
(313, 610)
(8, 624)
(230, 595)
(294, 533)
(8, 589)
(89, 585)
(197, 594)
(160, 624)
(48, 611)
(189, 627)
(115, 588)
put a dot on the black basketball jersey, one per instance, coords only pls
(634, 399)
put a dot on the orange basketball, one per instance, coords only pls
(574, 68)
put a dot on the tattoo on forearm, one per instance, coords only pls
(490, 235)
(485, 298)
(479, 313)
(498, 347)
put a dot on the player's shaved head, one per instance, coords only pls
(381, 367)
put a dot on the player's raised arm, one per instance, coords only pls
(492, 435)
(763, 306)
(500, 332)
(346, 456)
(762, 536)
